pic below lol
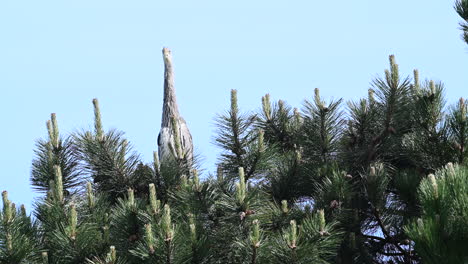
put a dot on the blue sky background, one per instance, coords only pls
(55, 56)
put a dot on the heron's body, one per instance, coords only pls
(166, 141)
(166, 137)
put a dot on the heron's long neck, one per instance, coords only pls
(170, 108)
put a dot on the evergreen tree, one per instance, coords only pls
(379, 180)
(440, 233)
(107, 157)
(18, 234)
(458, 120)
(55, 151)
(461, 6)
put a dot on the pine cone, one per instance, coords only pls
(249, 212)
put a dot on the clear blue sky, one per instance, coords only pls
(55, 56)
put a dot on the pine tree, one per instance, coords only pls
(440, 233)
(379, 180)
(243, 145)
(458, 120)
(461, 6)
(55, 151)
(18, 234)
(107, 157)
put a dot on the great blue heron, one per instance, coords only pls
(173, 126)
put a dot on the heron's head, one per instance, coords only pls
(167, 54)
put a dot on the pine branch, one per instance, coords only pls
(461, 6)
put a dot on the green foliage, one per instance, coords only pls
(458, 120)
(332, 183)
(18, 234)
(281, 124)
(314, 241)
(242, 145)
(111, 258)
(429, 125)
(322, 130)
(393, 114)
(461, 6)
(55, 152)
(108, 158)
(107, 162)
(440, 233)
(334, 193)
(285, 181)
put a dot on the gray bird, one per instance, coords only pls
(167, 145)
